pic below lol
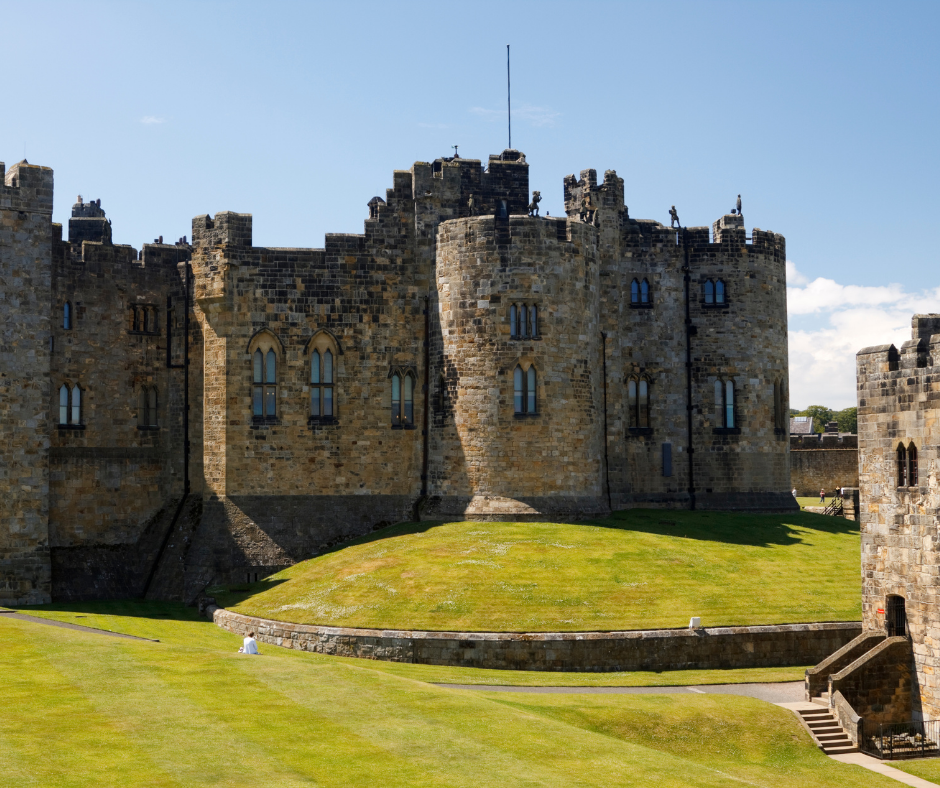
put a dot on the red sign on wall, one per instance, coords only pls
(881, 611)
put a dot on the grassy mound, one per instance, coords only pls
(190, 711)
(639, 569)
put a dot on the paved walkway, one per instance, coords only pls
(785, 692)
(65, 625)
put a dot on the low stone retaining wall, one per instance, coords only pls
(656, 649)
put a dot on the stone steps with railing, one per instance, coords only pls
(826, 731)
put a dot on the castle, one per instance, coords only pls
(211, 411)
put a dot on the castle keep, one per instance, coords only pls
(211, 411)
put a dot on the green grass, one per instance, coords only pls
(639, 569)
(811, 501)
(928, 769)
(146, 620)
(82, 709)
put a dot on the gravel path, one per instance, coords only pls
(64, 625)
(783, 692)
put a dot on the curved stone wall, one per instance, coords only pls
(488, 461)
(588, 652)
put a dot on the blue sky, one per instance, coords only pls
(822, 115)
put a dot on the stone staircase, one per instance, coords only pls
(825, 729)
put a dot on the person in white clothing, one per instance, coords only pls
(251, 645)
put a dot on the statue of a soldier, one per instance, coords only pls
(674, 217)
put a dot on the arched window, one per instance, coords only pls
(643, 404)
(67, 316)
(321, 384)
(523, 321)
(76, 404)
(63, 404)
(513, 328)
(724, 403)
(147, 411)
(719, 291)
(638, 403)
(634, 292)
(150, 315)
(709, 291)
(902, 465)
(264, 384)
(530, 390)
(409, 400)
(533, 321)
(644, 292)
(396, 400)
(912, 465)
(518, 386)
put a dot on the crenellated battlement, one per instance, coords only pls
(225, 229)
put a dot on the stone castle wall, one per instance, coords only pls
(425, 292)
(827, 463)
(26, 236)
(897, 405)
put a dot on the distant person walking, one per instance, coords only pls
(251, 645)
(822, 496)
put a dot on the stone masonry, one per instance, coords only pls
(823, 462)
(898, 396)
(421, 303)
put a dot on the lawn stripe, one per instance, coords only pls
(56, 729)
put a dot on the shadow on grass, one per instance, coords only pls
(132, 608)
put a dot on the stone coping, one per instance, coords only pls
(218, 614)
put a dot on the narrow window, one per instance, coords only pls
(634, 292)
(76, 405)
(518, 385)
(912, 465)
(396, 399)
(720, 403)
(67, 316)
(719, 291)
(152, 408)
(643, 415)
(138, 319)
(631, 402)
(512, 321)
(530, 390)
(644, 292)
(709, 291)
(894, 359)
(257, 394)
(524, 321)
(328, 383)
(409, 400)
(533, 321)
(315, 383)
(151, 320)
(902, 466)
(64, 404)
(729, 403)
(270, 387)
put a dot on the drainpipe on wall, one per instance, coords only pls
(689, 331)
(606, 462)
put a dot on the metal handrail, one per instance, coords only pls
(897, 740)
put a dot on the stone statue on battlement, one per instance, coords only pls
(472, 206)
(674, 217)
(534, 205)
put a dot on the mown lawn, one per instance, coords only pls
(636, 570)
(84, 709)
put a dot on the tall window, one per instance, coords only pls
(780, 401)
(523, 321)
(147, 413)
(264, 393)
(634, 292)
(321, 384)
(715, 291)
(902, 466)
(70, 404)
(638, 403)
(724, 403)
(912, 465)
(719, 291)
(644, 292)
(525, 387)
(67, 316)
(403, 405)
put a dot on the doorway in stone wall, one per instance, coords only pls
(895, 617)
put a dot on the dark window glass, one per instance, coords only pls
(631, 402)
(644, 292)
(512, 320)
(709, 291)
(719, 292)
(64, 404)
(530, 391)
(67, 316)
(902, 466)
(643, 418)
(409, 400)
(518, 385)
(533, 320)
(523, 321)
(76, 405)
(634, 292)
(729, 403)
(396, 399)
(912, 465)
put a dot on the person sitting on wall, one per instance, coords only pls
(251, 645)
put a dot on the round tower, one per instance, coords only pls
(518, 430)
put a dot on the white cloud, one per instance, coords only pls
(534, 116)
(150, 119)
(829, 323)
